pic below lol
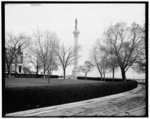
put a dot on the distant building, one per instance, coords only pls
(27, 70)
(17, 65)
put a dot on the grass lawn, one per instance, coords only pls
(25, 82)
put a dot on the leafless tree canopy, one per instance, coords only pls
(13, 45)
(98, 58)
(65, 57)
(47, 42)
(125, 43)
(86, 68)
(140, 63)
(31, 57)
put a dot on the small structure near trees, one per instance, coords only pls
(14, 44)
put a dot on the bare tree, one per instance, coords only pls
(47, 43)
(99, 59)
(86, 68)
(33, 58)
(65, 58)
(112, 64)
(140, 63)
(125, 43)
(52, 66)
(13, 45)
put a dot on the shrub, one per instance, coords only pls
(24, 98)
(99, 79)
(30, 75)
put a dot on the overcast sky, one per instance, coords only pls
(93, 20)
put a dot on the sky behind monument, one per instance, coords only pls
(93, 20)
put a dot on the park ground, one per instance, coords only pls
(121, 106)
(21, 82)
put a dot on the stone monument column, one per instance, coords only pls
(76, 34)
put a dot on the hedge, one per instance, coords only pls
(24, 98)
(30, 75)
(99, 79)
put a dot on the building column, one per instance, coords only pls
(76, 34)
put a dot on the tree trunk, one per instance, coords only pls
(123, 74)
(101, 76)
(44, 73)
(104, 76)
(15, 69)
(64, 73)
(99, 72)
(113, 70)
(85, 76)
(8, 70)
(49, 76)
(37, 71)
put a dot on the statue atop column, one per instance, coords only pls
(76, 34)
(76, 23)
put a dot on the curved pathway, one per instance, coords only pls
(131, 104)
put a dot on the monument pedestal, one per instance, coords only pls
(75, 73)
